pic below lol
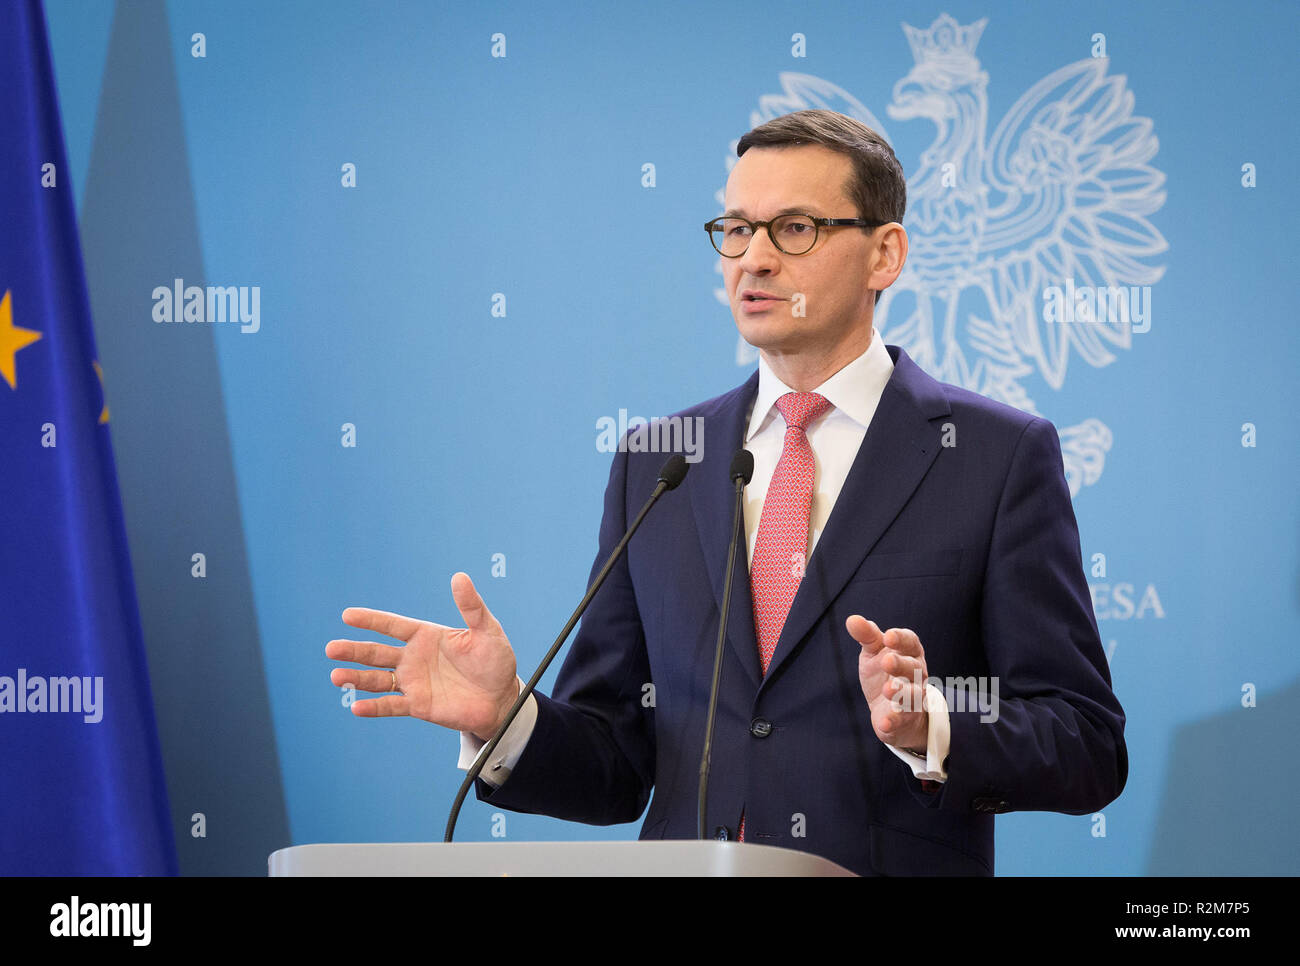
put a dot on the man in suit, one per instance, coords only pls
(880, 499)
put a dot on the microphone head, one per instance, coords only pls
(673, 471)
(742, 466)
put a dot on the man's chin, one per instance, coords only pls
(771, 338)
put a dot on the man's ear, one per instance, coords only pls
(890, 255)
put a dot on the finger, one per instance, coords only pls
(904, 701)
(903, 693)
(904, 641)
(900, 664)
(393, 706)
(886, 723)
(364, 652)
(472, 609)
(393, 625)
(379, 682)
(865, 632)
(904, 696)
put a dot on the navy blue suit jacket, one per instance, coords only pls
(974, 546)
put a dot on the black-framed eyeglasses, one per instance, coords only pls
(794, 234)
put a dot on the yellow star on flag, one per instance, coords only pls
(103, 413)
(12, 338)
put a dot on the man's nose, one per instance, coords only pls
(762, 257)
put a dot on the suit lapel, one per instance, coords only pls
(712, 501)
(896, 453)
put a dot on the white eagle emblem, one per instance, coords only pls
(1057, 197)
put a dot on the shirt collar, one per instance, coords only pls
(855, 390)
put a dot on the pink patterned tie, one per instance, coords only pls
(781, 548)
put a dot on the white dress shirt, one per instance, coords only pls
(835, 437)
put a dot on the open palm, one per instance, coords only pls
(461, 678)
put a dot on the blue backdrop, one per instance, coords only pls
(464, 234)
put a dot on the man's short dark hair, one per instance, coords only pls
(878, 187)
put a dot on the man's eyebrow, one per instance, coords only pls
(794, 210)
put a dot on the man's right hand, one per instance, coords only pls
(461, 678)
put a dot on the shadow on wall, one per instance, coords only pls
(1229, 801)
(139, 231)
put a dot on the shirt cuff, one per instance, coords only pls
(508, 752)
(931, 767)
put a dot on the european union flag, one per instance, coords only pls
(81, 780)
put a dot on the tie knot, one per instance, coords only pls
(801, 408)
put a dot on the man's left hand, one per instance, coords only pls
(888, 672)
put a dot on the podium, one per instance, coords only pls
(675, 858)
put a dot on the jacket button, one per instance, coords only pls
(760, 727)
(721, 834)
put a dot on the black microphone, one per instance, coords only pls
(670, 477)
(742, 471)
(742, 467)
(674, 471)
